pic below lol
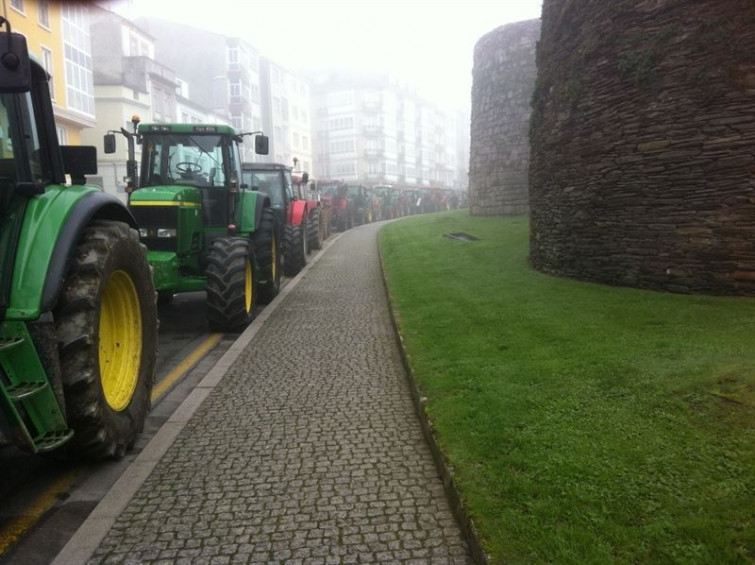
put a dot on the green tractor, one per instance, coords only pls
(204, 229)
(78, 320)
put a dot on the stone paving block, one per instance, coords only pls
(307, 450)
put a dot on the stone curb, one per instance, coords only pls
(444, 468)
(93, 530)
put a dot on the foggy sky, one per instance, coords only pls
(430, 44)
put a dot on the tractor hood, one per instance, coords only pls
(174, 195)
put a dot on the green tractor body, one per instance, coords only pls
(204, 230)
(72, 286)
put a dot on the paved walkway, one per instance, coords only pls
(307, 450)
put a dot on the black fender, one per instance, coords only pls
(93, 206)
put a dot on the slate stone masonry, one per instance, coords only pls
(503, 80)
(642, 165)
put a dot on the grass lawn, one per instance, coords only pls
(584, 423)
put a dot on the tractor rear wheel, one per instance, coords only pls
(106, 322)
(267, 251)
(313, 227)
(295, 256)
(231, 284)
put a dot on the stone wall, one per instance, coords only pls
(642, 164)
(503, 81)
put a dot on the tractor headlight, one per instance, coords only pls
(165, 232)
(143, 232)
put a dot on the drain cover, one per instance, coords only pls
(462, 236)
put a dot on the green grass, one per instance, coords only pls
(584, 423)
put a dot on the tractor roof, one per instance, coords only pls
(264, 167)
(196, 129)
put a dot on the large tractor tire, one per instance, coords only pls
(342, 223)
(294, 249)
(267, 251)
(106, 322)
(313, 227)
(324, 225)
(231, 284)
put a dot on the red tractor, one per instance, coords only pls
(291, 205)
(318, 217)
(334, 197)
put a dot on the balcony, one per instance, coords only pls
(373, 130)
(137, 69)
(371, 106)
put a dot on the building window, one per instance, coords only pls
(344, 168)
(43, 13)
(78, 57)
(62, 135)
(233, 55)
(336, 124)
(342, 146)
(235, 90)
(47, 64)
(17, 5)
(296, 140)
(305, 142)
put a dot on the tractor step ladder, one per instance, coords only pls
(26, 393)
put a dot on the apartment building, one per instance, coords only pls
(286, 116)
(58, 36)
(374, 129)
(128, 82)
(223, 72)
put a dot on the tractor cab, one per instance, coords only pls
(193, 207)
(275, 181)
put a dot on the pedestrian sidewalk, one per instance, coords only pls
(301, 445)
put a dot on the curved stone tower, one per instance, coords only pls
(503, 81)
(642, 165)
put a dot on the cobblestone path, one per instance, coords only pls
(309, 449)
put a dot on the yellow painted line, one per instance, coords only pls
(180, 369)
(10, 533)
(164, 203)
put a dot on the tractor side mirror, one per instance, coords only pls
(78, 161)
(109, 142)
(15, 66)
(261, 145)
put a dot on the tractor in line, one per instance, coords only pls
(203, 228)
(78, 319)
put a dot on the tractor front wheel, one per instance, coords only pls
(313, 226)
(231, 284)
(106, 322)
(294, 246)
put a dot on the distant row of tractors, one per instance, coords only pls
(355, 204)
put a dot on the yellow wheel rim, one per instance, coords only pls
(120, 340)
(248, 286)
